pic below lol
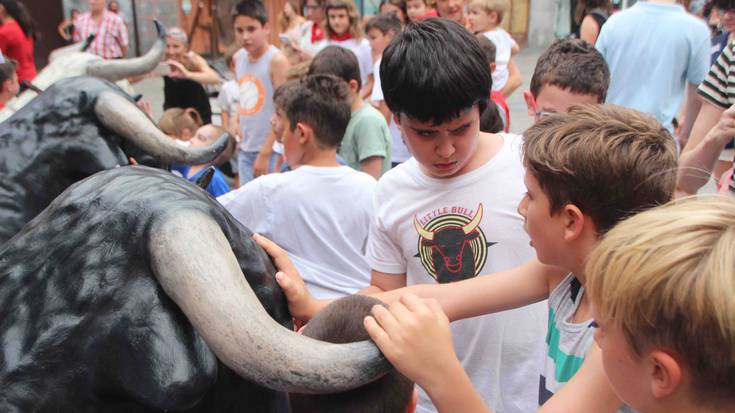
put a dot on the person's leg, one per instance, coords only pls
(245, 161)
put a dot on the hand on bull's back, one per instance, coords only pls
(301, 303)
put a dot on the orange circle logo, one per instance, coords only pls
(252, 95)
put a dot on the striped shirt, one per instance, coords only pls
(719, 85)
(567, 342)
(111, 34)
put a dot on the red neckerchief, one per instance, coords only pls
(316, 33)
(340, 37)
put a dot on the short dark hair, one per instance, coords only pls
(253, 9)
(285, 93)
(337, 61)
(574, 65)
(342, 322)
(320, 101)
(385, 22)
(488, 47)
(434, 70)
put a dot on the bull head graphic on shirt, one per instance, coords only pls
(452, 249)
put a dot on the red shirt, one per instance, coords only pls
(19, 47)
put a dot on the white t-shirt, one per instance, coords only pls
(502, 353)
(228, 97)
(320, 215)
(399, 151)
(361, 49)
(503, 45)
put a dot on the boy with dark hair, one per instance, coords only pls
(258, 70)
(570, 72)
(326, 239)
(460, 189)
(502, 107)
(381, 29)
(342, 322)
(366, 145)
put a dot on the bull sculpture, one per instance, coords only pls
(73, 61)
(76, 128)
(135, 291)
(451, 254)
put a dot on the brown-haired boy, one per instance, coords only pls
(585, 171)
(311, 118)
(570, 72)
(342, 322)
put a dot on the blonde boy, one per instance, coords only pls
(662, 285)
(484, 18)
(585, 171)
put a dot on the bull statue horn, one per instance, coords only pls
(472, 225)
(194, 264)
(427, 235)
(73, 48)
(114, 70)
(206, 178)
(121, 116)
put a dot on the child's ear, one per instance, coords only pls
(530, 102)
(666, 374)
(574, 221)
(353, 86)
(303, 133)
(494, 17)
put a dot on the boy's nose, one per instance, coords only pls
(445, 148)
(522, 206)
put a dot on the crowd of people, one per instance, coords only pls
(373, 159)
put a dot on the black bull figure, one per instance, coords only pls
(451, 252)
(76, 128)
(135, 291)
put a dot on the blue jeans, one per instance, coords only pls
(245, 162)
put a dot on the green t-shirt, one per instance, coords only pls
(367, 135)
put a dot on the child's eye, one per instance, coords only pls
(461, 130)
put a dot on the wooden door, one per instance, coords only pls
(47, 15)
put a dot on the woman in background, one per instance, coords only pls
(18, 34)
(183, 86)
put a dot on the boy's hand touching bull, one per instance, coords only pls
(302, 305)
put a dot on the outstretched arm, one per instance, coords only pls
(517, 287)
(711, 132)
(588, 391)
